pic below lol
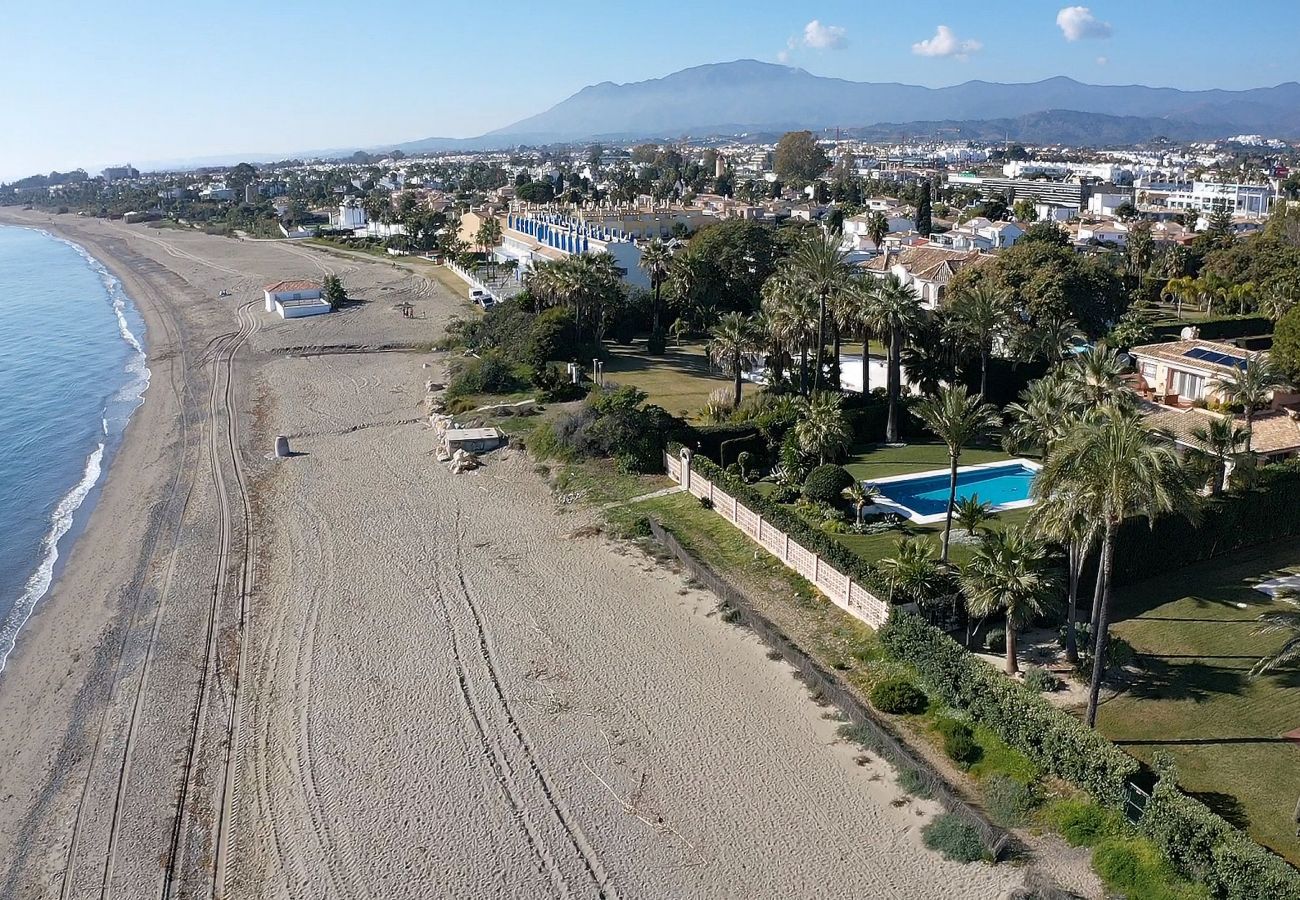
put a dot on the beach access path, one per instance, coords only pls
(449, 686)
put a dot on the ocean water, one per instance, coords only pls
(72, 370)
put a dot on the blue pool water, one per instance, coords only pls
(928, 495)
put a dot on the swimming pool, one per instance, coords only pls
(923, 497)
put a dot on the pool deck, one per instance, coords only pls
(885, 505)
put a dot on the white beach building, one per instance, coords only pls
(295, 299)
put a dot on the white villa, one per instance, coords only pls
(926, 269)
(295, 299)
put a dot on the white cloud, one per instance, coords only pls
(1102, 60)
(824, 37)
(1078, 23)
(946, 43)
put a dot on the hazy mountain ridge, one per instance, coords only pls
(748, 95)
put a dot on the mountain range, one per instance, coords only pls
(748, 96)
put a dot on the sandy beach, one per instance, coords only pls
(439, 686)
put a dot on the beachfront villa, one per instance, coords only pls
(295, 299)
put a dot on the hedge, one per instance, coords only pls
(1267, 512)
(1216, 329)
(819, 542)
(708, 440)
(1203, 846)
(1053, 739)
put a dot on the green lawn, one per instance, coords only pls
(880, 462)
(1197, 702)
(680, 381)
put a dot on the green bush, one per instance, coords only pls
(1083, 823)
(995, 640)
(898, 696)
(953, 838)
(826, 484)
(1133, 866)
(491, 373)
(959, 742)
(913, 782)
(1050, 737)
(1040, 680)
(553, 336)
(1203, 846)
(1009, 803)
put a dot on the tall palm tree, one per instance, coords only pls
(1221, 439)
(854, 314)
(1070, 518)
(895, 313)
(1046, 410)
(657, 263)
(1284, 622)
(792, 313)
(823, 429)
(913, 573)
(959, 420)
(979, 314)
(1250, 386)
(821, 269)
(1008, 572)
(1125, 471)
(1242, 294)
(734, 348)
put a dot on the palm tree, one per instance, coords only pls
(912, 572)
(861, 496)
(488, 234)
(820, 268)
(823, 429)
(895, 313)
(793, 313)
(1124, 471)
(1008, 572)
(1284, 622)
(1183, 289)
(979, 314)
(1276, 303)
(1243, 294)
(853, 312)
(877, 229)
(1069, 517)
(1098, 375)
(959, 420)
(1046, 410)
(657, 263)
(734, 348)
(1221, 439)
(971, 512)
(1250, 386)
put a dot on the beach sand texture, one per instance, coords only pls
(446, 692)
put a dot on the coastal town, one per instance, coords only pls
(875, 510)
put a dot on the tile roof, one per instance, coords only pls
(927, 263)
(293, 285)
(1176, 352)
(1274, 431)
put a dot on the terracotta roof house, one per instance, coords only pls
(927, 269)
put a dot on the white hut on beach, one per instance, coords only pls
(293, 299)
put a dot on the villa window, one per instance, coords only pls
(1189, 386)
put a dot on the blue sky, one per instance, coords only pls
(92, 83)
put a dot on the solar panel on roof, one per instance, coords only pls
(1196, 353)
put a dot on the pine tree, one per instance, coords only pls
(924, 220)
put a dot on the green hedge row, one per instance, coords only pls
(1049, 736)
(1203, 846)
(819, 542)
(1216, 329)
(709, 440)
(1267, 512)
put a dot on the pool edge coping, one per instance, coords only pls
(887, 505)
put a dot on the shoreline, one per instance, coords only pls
(76, 505)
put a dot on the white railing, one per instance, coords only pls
(842, 590)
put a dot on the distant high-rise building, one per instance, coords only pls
(118, 173)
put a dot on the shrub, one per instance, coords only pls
(1205, 847)
(959, 742)
(1051, 738)
(1134, 867)
(826, 484)
(1009, 802)
(912, 782)
(995, 640)
(553, 335)
(1040, 680)
(953, 838)
(489, 374)
(1083, 823)
(898, 696)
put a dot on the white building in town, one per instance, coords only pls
(1253, 200)
(351, 215)
(528, 237)
(295, 299)
(856, 227)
